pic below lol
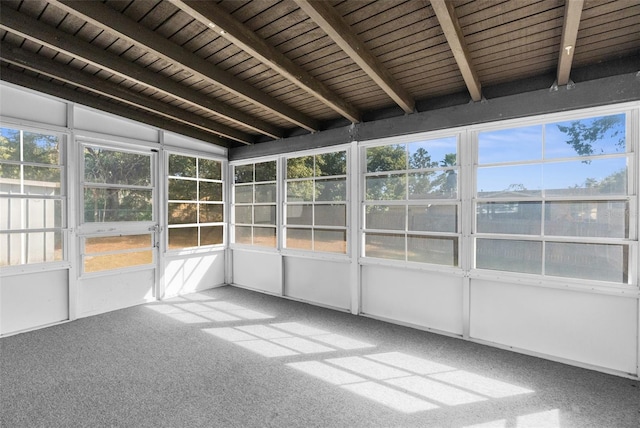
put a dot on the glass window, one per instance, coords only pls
(32, 197)
(564, 180)
(254, 204)
(116, 252)
(195, 206)
(412, 201)
(316, 202)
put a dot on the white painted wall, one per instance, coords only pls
(421, 298)
(18, 103)
(323, 282)
(258, 270)
(594, 329)
(193, 272)
(33, 300)
(109, 292)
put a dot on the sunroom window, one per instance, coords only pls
(32, 197)
(554, 199)
(316, 202)
(412, 202)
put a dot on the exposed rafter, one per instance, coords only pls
(72, 76)
(446, 14)
(325, 15)
(46, 87)
(572, 13)
(218, 20)
(60, 41)
(112, 21)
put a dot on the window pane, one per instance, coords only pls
(209, 169)
(441, 251)
(510, 181)
(586, 178)
(521, 218)
(433, 185)
(300, 214)
(41, 180)
(384, 246)
(432, 153)
(36, 247)
(588, 261)
(113, 167)
(300, 191)
(509, 145)
(386, 187)
(210, 191)
(266, 171)
(387, 217)
(264, 214)
(331, 190)
(183, 213)
(264, 236)
(30, 214)
(103, 244)
(11, 172)
(299, 239)
(511, 256)
(331, 164)
(103, 205)
(41, 148)
(243, 235)
(243, 173)
(331, 215)
(386, 158)
(331, 241)
(265, 193)
(182, 166)
(585, 137)
(211, 235)
(301, 167)
(243, 214)
(606, 219)
(10, 144)
(183, 190)
(433, 218)
(117, 261)
(183, 237)
(243, 194)
(211, 213)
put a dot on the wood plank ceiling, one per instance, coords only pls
(236, 72)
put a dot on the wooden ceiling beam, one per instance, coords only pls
(31, 29)
(116, 23)
(39, 64)
(572, 13)
(325, 15)
(225, 25)
(66, 93)
(446, 14)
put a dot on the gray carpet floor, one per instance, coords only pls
(230, 357)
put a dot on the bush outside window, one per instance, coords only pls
(195, 206)
(316, 203)
(553, 199)
(255, 203)
(32, 197)
(412, 203)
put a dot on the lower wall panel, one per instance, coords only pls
(594, 329)
(425, 299)
(319, 281)
(32, 300)
(115, 291)
(260, 271)
(187, 274)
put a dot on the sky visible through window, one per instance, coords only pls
(551, 143)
